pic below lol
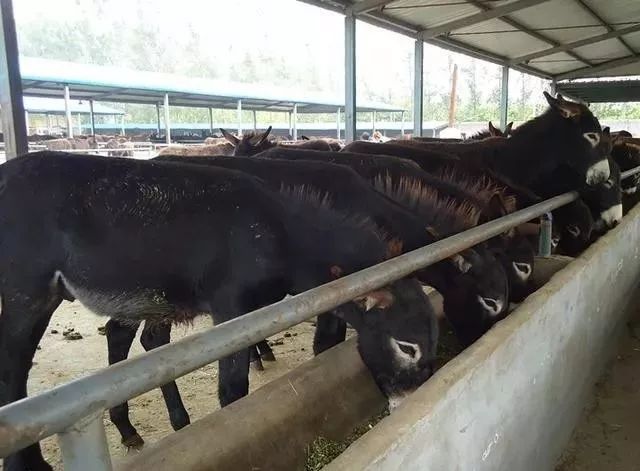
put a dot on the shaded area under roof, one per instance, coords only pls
(553, 39)
(55, 106)
(47, 78)
(602, 91)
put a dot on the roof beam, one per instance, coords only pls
(486, 14)
(588, 71)
(366, 6)
(595, 15)
(541, 37)
(582, 42)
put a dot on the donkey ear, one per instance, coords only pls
(264, 136)
(381, 298)
(567, 109)
(493, 131)
(304, 138)
(461, 263)
(606, 131)
(507, 129)
(229, 137)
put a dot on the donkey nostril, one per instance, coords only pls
(492, 305)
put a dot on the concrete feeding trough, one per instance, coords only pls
(510, 401)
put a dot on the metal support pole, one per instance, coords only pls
(79, 121)
(122, 125)
(84, 445)
(93, 118)
(290, 128)
(418, 87)
(239, 116)
(553, 88)
(211, 121)
(49, 125)
(11, 104)
(373, 122)
(402, 124)
(26, 121)
(167, 123)
(255, 121)
(338, 123)
(350, 78)
(295, 122)
(544, 241)
(67, 112)
(158, 117)
(504, 97)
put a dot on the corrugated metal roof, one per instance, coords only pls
(46, 78)
(56, 106)
(601, 91)
(568, 38)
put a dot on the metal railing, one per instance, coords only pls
(74, 410)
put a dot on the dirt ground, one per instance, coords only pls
(60, 361)
(608, 436)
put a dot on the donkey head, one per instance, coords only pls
(580, 139)
(250, 143)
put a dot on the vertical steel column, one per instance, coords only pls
(402, 124)
(338, 123)
(418, 87)
(239, 116)
(295, 121)
(122, 125)
(26, 121)
(93, 118)
(290, 128)
(544, 239)
(67, 111)
(79, 121)
(255, 121)
(167, 123)
(373, 122)
(504, 97)
(158, 116)
(211, 121)
(350, 77)
(553, 88)
(84, 446)
(49, 125)
(11, 105)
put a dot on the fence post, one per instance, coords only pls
(84, 445)
(544, 241)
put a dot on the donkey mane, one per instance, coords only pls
(446, 215)
(483, 188)
(301, 197)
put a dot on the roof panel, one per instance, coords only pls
(557, 63)
(545, 24)
(604, 50)
(48, 77)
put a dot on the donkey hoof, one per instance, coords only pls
(257, 365)
(268, 356)
(135, 441)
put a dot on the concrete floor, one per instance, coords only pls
(608, 436)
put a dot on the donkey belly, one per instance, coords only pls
(130, 303)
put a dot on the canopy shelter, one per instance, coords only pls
(553, 39)
(49, 78)
(602, 91)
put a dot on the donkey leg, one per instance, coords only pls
(152, 337)
(265, 351)
(233, 378)
(330, 331)
(119, 339)
(23, 320)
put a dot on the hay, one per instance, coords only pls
(323, 451)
